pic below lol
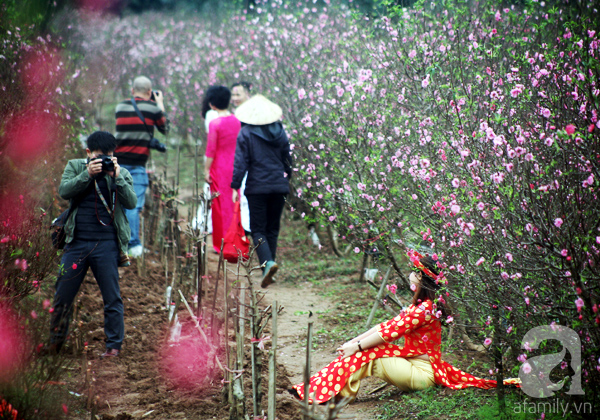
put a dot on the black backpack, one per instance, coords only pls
(59, 235)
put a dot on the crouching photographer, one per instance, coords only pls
(96, 235)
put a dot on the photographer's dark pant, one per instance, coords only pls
(102, 257)
(265, 217)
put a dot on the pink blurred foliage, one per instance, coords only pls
(30, 135)
(189, 364)
(14, 344)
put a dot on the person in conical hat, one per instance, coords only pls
(263, 150)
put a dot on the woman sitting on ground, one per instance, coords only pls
(416, 366)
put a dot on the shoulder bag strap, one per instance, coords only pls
(110, 211)
(141, 116)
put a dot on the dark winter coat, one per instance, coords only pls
(75, 181)
(264, 152)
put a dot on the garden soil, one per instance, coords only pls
(141, 382)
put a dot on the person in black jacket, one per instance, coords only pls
(263, 150)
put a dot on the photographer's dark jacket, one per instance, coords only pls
(76, 183)
(264, 152)
(132, 137)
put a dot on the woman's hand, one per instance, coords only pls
(348, 349)
(234, 196)
(207, 177)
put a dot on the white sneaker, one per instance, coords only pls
(136, 251)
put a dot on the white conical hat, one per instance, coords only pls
(258, 110)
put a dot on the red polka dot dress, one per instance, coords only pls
(422, 332)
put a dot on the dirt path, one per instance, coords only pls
(298, 300)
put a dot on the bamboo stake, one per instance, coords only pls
(178, 163)
(379, 294)
(199, 279)
(306, 415)
(255, 404)
(142, 262)
(241, 329)
(238, 386)
(227, 350)
(193, 317)
(194, 208)
(214, 304)
(272, 365)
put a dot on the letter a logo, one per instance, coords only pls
(535, 372)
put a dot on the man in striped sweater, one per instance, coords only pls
(134, 141)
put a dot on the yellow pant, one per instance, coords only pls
(407, 374)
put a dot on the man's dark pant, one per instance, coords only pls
(103, 258)
(265, 217)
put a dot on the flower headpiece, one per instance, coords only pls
(415, 258)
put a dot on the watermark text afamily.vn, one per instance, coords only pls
(555, 406)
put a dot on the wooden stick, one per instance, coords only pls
(214, 304)
(226, 335)
(379, 294)
(306, 416)
(272, 366)
(194, 318)
(178, 163)
(241, 329)
(142, 262)
(255, 403)
(238, 386)
(199, 279)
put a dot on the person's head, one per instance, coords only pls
(100, 143)
(240, 92)
(217, 98)
(142, 87)
(258, 110)
(425, 281)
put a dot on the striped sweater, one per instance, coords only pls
(132, 137)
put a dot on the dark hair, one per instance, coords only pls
(218, 96)
(428, 289)
(246, 85)
(102, 140)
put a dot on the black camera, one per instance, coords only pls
(107, 164)
(157, 145)
(153, 95)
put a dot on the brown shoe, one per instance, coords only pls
(110, 353)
